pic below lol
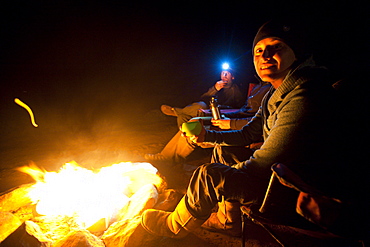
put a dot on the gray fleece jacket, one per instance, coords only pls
(295, 120)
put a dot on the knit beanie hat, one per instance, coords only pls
(290, 31)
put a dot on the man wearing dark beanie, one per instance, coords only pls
(296, 114)
(291, 31)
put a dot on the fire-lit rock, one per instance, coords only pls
(28, 234)
(80, 238)
(8, 224)
(123, 233)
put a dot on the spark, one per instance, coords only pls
(22, 104)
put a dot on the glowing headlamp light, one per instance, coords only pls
(225, 66)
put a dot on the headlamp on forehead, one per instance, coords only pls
(225, 66)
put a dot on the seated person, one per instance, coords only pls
(179, 148)
(228, 93)
(298, 113)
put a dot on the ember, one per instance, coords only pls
(28, 109)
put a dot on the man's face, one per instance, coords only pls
(272, 60)
(226, 76)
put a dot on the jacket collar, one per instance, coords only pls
(295, 77)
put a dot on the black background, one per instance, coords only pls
(83, 64)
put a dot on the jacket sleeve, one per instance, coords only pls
(293, 133)
(289, 137)
(238, 123)
(247, 135)
(206, 97)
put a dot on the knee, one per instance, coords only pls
(210, 169)
(202, 168)
(201, 105)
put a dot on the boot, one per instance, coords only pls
(168, 110)
(174, 225)
(227, 220)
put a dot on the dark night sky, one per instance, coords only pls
(75, 62)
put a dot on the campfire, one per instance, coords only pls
(99, 207)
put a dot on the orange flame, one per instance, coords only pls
(86, 195)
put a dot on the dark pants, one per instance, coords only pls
(230, 155)
(210, 182)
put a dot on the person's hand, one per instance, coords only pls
(196, 138)
(223, 123)
(220, 84)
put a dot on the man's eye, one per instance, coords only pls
(258, 51)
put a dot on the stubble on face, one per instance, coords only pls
(273, 60)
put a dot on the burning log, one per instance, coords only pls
(16, 198)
